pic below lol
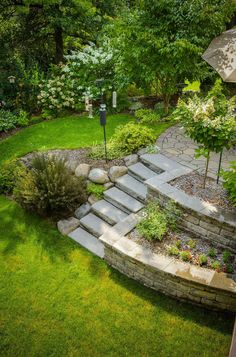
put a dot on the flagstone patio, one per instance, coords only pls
(175, 145)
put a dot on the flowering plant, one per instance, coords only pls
(210, 122)
(72, 82)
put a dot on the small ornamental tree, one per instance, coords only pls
(210, 122)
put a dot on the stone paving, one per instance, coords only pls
(175, 145)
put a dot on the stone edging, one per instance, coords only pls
(201, 218)
(183, 281)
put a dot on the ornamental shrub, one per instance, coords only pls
(157, 221)
(230, 181)
(8, 175)
(49, 188)
(8, 120)
(132, 137)
(147, 116)
(210, 122)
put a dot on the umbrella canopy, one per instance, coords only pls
(221, 55)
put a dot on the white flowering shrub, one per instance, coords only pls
(210, 122)
(57, 93)
(77, 79)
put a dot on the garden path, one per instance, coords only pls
(175, 145)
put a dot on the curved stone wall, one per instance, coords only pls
(180, 280)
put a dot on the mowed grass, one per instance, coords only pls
(69, 132)
(56, 299)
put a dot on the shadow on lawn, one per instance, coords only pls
(18, 226)
(218, 321)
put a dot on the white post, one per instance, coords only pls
(114, 99)
(90, 110)
(86, 100)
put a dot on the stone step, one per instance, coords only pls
(108, 212)
(88, 241)
(141, 172)
(159, 163)
(132, 186)
(94, 224)
(122, 200)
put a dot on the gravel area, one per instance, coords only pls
(76, 157)
(215, 194)
(185, 242)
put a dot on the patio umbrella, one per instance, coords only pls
(221, 55)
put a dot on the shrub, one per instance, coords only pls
(113, 151)
(8, 174)
(173, 250)
(95, 189)
(228, 268)
(226, 255)
(23, 118)
(212, 252)
(156, 222)
(147, 116)
(8, 120)
(178, 243)
(185, 255)
(202, 259)
(216, 265)
(49, 188)
(132, 137)
(230, 181)
(191, 243)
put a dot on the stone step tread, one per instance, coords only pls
(141, 172)
(88, 241)
(94, 224)
(132, 186)
(108, 212)
(159, 162)
(122, 200)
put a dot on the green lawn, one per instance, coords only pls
(63, 133)
(56, 299)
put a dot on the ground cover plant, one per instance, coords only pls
(58, 299)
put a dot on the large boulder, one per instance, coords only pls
(98, 176)
(82, 170)
(65, 226)
(117, 171)
(82, 210)
(131, 159)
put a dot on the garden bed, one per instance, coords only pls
(214, 193)
(197, 250)
(76, 157)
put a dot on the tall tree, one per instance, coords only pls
(160, 43)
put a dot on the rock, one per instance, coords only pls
(82, 210)
(82, 170)
(143, 151)
(65, 226)
(98, 176)
(131, 159)
(93, 199)
(71, 165)
(108, 185)
(117, 171)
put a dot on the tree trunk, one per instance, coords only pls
(59, 53)
(206, 171)
(166, 101)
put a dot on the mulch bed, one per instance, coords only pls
(214, 193)
(200, 247)
(76, 157)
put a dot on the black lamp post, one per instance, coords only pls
(102, 111)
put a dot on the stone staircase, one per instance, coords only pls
(127, 197)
